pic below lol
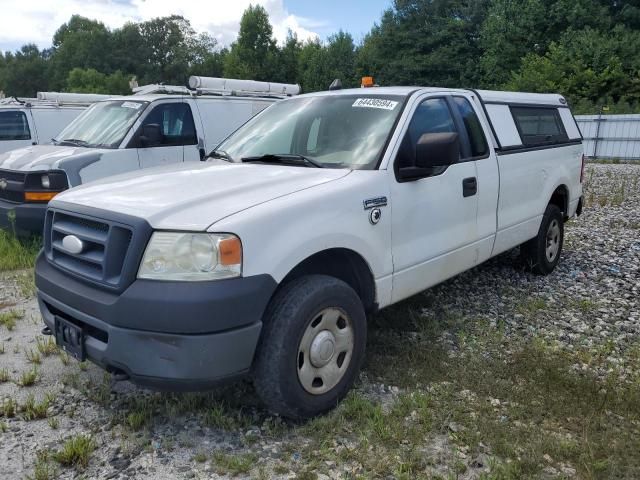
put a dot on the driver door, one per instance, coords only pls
(176, 130)
(434, 219)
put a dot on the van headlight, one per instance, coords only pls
(191, 257)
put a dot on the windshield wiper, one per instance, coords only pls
(74, 142)
(283, 158)
(220, 154)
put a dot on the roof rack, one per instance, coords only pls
(55, 99)
(231, 86)
(160, 88)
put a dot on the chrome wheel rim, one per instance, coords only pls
(325, 351)
(553, 240)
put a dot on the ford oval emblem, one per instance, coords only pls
(72, 244)
(3, 184)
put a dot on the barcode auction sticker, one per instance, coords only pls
(133, 105)
(375, 103)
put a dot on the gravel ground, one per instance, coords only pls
(590, 304)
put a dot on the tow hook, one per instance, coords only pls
(46, 331)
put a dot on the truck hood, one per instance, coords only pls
(39, 157)
(193, 196)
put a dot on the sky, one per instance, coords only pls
(35, 21)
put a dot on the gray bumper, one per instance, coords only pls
(197, 349)
(28, 219)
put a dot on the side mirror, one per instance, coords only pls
(150, 135)
(433, 151)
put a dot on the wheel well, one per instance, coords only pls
(344, 264)
(560, 199)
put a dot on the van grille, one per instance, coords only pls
(105, 246)
(13, 183)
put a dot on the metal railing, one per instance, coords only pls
(611, 136)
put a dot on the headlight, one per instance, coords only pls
(191, 257)
(46, 183)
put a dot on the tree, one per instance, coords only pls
(91, 81)
(253, 55)
(24, 73)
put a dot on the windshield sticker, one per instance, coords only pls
(133, 105)
(375, 103)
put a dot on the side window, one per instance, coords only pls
(539, 125)
(14, 126)
(479, 146)
(431, 116)
(176, 124)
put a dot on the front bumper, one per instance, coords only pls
(28, 218)
(164, 335)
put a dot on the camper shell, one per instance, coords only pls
(158, 125)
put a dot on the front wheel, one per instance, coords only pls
(542, 253)
(312, 346)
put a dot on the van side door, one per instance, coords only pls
(434, 219)
(16, 129)
(164, 132)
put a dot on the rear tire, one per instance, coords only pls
(312, 346)
(542, 253)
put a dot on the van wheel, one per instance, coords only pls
(542, 253)
(312, 346)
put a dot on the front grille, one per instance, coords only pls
(105, 246)
(12, 186)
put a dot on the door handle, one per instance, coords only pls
(469, 187)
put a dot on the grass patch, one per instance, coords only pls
(8, 408)
(8, 319)
(4, 375)
(26, 284)
(32, 410)
(33, 356)
(16, 254)
(75, 452)
(46, 346)
(43, 468)
(28, 378)
(234, 464)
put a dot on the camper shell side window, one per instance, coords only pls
(539, 126)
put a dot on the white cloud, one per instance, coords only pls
(37, 20)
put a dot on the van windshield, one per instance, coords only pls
(339, 131)
(104, 124)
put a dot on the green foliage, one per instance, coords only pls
(584, 49)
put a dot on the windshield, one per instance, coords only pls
(340, 131)
(104, 124)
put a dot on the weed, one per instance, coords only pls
(75, 452)
(3, 427)
(531, 305)
(16, 254)
(46, 346)
(1, 348)
(4, 375)
(8, 408)
(33, 357)
(28, 378)
(32, 410)
(8, 319)
(200, 457)
(43, 468)
(234, 464)
(53, 423)
(26, 284)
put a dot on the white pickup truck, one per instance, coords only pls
(159, 125)
(320, 210)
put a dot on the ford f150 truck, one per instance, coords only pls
(157, 126)
(319, 211)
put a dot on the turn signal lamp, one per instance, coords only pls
(39, 196)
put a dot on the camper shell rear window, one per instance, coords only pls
(539, 126)
(14, 126)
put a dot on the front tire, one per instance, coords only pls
(542, 253)
(312, 346)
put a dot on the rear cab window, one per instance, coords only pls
(539, 126)
(14, 126)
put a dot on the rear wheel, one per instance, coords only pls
(312, 346)
(542, 253)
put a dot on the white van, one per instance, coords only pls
(323, 209)
(124, 134)
(33, 121)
